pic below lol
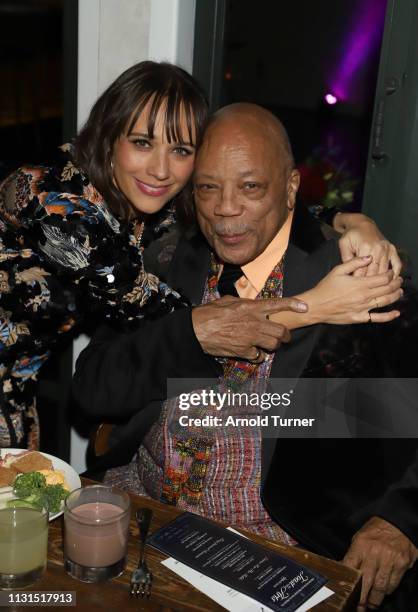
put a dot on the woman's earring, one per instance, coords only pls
(112, 173)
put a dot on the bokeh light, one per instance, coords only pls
(330, 99)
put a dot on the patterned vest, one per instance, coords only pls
(213, 471)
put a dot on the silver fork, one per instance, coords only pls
(141, 579)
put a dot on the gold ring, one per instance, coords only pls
(257, 357)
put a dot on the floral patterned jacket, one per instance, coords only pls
(63, 256)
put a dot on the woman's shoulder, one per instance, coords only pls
(18, 189)
(57, 193)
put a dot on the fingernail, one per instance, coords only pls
(366, 257)
(302, 306)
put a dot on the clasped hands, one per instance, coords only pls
(362, 237)
(343, 297)
(235, 327)
(371, 259)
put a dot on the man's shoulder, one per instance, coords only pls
(328, 252)
(159, 252)
(174, 250)
(308, 232)
(323, 257)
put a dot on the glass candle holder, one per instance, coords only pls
(96, 527)
(23, 545)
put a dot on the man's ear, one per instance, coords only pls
(293, 183)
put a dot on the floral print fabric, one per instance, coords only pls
(63, 255)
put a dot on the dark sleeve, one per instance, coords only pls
(396, 344)
(120, 373)
(326, 215)
(399, 503)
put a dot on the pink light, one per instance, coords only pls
(330, 99)
(364, 35)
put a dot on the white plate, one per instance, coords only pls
(70, 474)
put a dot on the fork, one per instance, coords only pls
(141, 579)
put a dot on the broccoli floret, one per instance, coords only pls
(37, 499)
(54, 495)
(30, 484)
(33, 489)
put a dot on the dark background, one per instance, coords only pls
(283, 55)
(32, 81)
(287, 55)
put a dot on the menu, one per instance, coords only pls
(225, 556)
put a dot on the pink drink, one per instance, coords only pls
(94, 535)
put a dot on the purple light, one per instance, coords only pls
(364, 35)
(330, 99)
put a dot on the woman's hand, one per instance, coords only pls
(343, 298)
(361, 237)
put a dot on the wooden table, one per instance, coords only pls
(170, 592)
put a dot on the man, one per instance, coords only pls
(232, 194)
(245, 188)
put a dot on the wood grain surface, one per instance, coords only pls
(169, 592)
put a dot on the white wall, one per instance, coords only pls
(171, 34)
(113, 35)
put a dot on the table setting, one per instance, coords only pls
(106, 549)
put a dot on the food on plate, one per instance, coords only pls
(27, 461)
(55, 477)
(7, 476)
(34, 480)
(32, 488)
(26, 485)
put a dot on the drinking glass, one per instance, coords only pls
(23, 545)
(96, 525)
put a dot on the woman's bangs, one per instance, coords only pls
(180, 124)
(139, 109)
(178, 119)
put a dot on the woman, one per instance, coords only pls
(72, 235)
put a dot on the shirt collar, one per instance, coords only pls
(258, 270)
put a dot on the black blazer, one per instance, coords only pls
(348, 480)
(323, 490)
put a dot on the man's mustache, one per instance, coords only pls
(229, 229)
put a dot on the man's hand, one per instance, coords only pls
(235, 327)
(362, 237)
(383, 554)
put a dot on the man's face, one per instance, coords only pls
(243, 190)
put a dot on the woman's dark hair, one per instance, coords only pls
(117, 110)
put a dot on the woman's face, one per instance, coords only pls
(151, 171)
